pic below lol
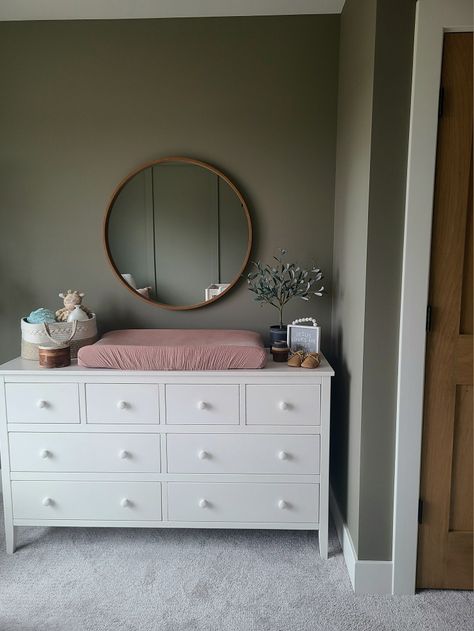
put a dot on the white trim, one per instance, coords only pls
(344, 537)
(367, 577)
(433, 18)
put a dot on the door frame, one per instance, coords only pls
(433, 19)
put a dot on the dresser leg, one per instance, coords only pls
(323, 541)
(10, 538)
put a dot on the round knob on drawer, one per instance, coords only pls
(202, 405)
(283, 455)
(202, 455)
(124, 454)
(41, 404)
(283, 405)
(122, 405)
(125, 502)
(47, 501)
(282, 505)
(45, 453)
(203, 503)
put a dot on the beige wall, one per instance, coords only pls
(373, 114)
(83, 103)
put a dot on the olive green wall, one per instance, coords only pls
(372, 145)
(84, 103)
(390, 126)
(354, 133)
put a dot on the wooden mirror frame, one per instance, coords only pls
(184, 160)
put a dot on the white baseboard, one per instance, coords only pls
(367, 577)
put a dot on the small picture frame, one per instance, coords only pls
(304, 337)
(215, 290)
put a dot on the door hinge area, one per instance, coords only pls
(428, 318)
(441, 102)
(420, 511)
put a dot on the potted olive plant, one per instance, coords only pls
(276, 285)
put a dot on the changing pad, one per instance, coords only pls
(175, 349)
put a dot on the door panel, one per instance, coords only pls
(461, 484)
(445, 551)
(467, 281)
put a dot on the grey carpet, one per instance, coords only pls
(93, 579)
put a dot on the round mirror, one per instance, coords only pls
(178, 233)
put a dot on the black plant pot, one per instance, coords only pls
(277, 333)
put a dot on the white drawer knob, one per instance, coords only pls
(45, 453)
(41, 404)
(122, 405)
(202, 405)
(283, 405)
(282, 505)
(283, 455)
(203, 503)
(124, 454)
(125, 502)
(202, 455)
(46, 501)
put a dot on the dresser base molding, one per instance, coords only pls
(244, 525)
(219, 450)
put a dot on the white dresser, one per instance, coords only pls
(220, 449)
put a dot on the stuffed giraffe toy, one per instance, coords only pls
(71, 299)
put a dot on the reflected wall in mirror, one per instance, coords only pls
(178, 233)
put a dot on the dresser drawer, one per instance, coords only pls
(42, 402)
(283, 405)
(74, 452)
(117, 501)
(243, 453)
(122, 403)
(202, 404)
(243, 502)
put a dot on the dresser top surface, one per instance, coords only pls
(20, 366)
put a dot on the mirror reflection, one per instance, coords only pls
(178, 233)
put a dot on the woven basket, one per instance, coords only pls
(33, 335)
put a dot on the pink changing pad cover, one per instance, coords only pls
(175, 349)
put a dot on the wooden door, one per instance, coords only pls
(445, 550)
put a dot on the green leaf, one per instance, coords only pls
(277, 285)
